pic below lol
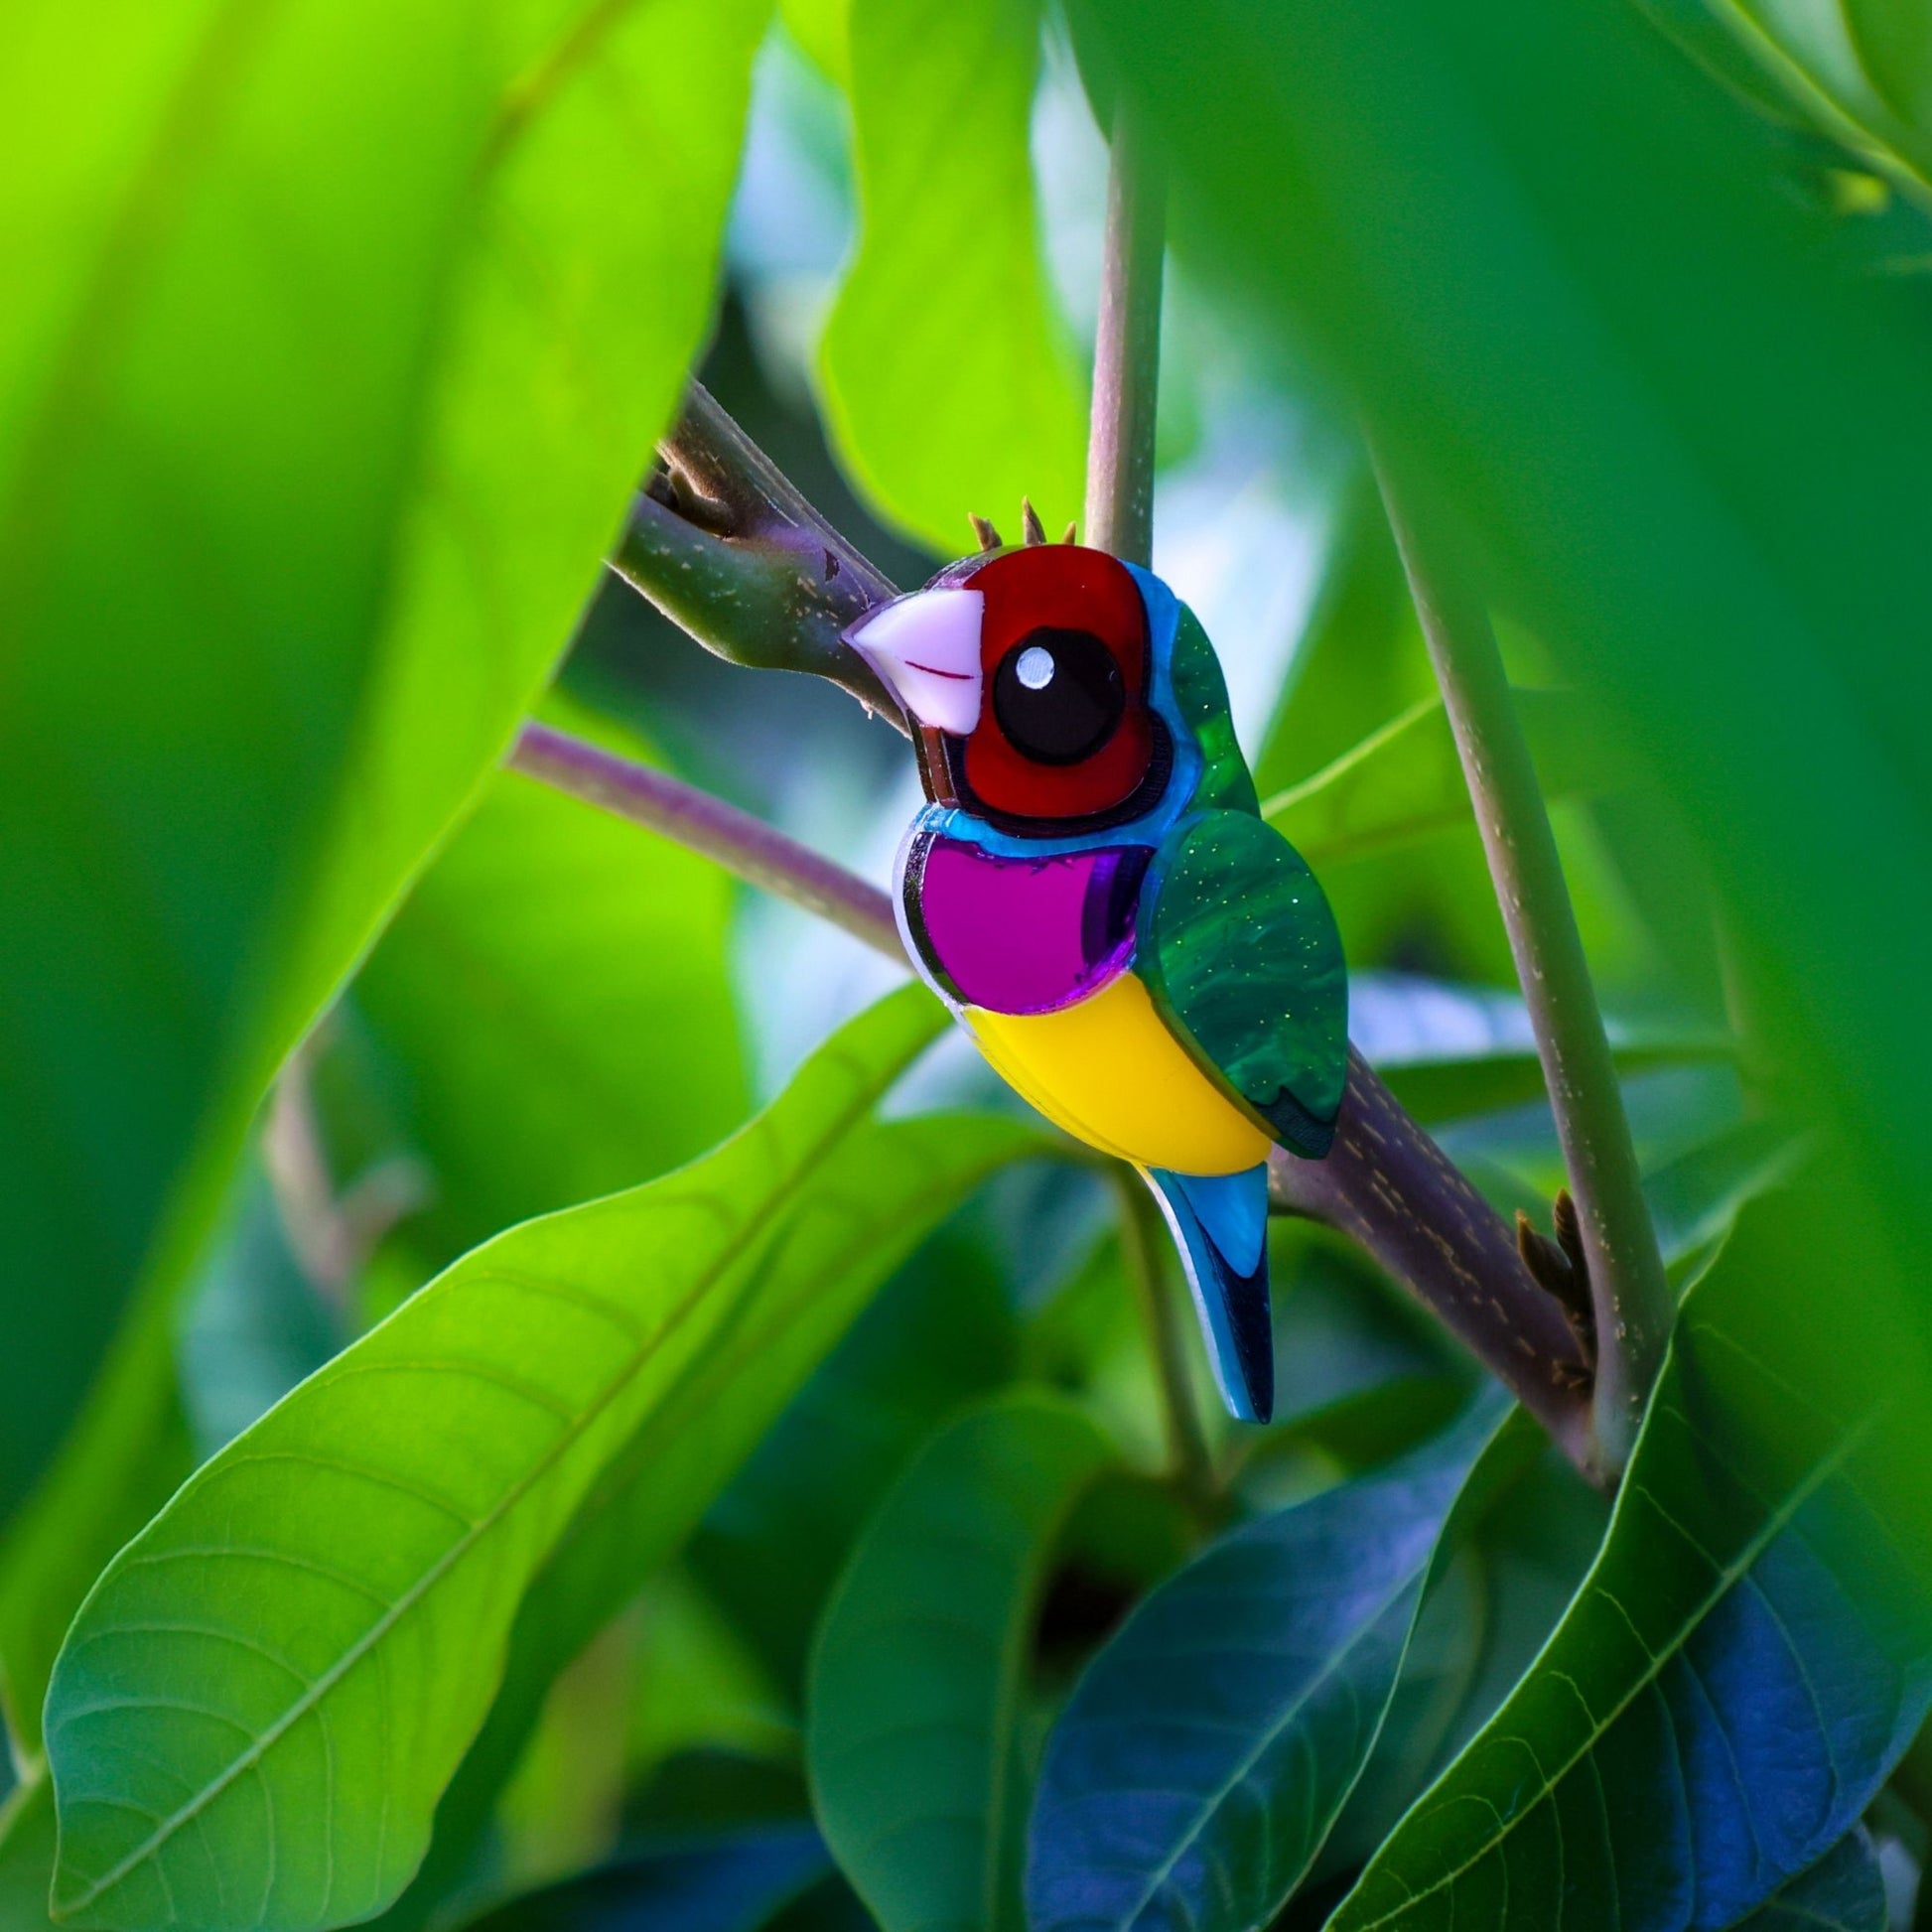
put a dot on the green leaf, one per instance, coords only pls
(1503, 1577)
(1359, 661)
(1405, 780)
(739, 1885)
(939, 1336)
(919, 1670)
(1860, 72)
(264, 1648)
(27, 1855)
(1894, 41)
(1844, 1892)
(1733, 1681)
(1679, 449)
(947, 381)
(894, 1181)
(1449, 1050)
(334, 591)
(1212, 1744)
(555, 991)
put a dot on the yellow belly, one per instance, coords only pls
(1110, 1072)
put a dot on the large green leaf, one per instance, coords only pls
(1405, 780)
(917, 1679)
(947, 385)
(1211, 1745)
(556, 995)
(1737, 1674)
(894, 1181)
(315, 439)
(1602, 345)
(262, 1699)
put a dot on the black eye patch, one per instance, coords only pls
(1059, 695)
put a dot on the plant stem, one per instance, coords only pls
(756, 852)
(1386, 1185)
(1143, 1249)
(1126, 351)
(1629, 1296)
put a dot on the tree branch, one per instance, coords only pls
(1386, 1185)
(1629, 1297)
(724, 544)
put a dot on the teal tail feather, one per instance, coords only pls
(1220, 1225)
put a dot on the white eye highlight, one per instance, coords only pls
(1035, 668)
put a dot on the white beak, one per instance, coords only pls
(926, 650)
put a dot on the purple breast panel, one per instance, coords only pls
(1025, 935)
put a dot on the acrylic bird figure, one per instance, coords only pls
(1094, 894)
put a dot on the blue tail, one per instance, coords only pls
(1220, 1226)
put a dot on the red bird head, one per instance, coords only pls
(1027, 674)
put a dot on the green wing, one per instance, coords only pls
(1240, 953)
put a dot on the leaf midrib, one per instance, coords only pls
(1217, 1798)
(802, 1165)
(1728, 1579)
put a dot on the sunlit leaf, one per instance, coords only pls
(918, 1677)
(555, 992)
(262, 1699)
(1405, 780)
(895, 1181)
(27, 1857)
(1359, 661)
(947, 383)
(334, 591)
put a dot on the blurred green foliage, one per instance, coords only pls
(751, 1538)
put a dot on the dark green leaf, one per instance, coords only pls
(947, 383)
(263, 1647)
(1198, 1769)
(734, 1886)
(1733, 1681)
(1844, 1892)
(918, 1677)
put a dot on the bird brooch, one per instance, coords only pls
(1092, 890)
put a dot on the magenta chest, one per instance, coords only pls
(1016, 935)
